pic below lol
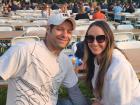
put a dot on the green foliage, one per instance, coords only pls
(3, 95)
(63, 92)
(83, 87)
(4, 45)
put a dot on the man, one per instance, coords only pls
(117, 11)
(36, 70)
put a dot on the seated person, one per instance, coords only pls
(80, 50)
(117, 10)
(79, 53)
(64, 9)
(75, 8)
(46, 11)
(92, 6)
(82, 14)
(130, 8)
(98, 14)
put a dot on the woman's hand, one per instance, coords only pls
(96, 103)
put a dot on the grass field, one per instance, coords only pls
(3, 94)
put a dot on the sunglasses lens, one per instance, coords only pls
(100, 38)
(89, 39)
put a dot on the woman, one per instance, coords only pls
(92, 6)
(46, 12)
(111, 76)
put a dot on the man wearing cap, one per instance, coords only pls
(35, 70)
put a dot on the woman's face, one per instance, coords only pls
(96, 40)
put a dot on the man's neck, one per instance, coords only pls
(51, 48)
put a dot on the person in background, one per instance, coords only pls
(130, 8)
(109, 72)
(75, 8)
(103, 5)
(80, 50)
(46, 11)
(98, 14)
(92, 6)
(79, 53)
(14, 6)
(54, 6)
(36, 70)
(64, 9)
(82, 13)
(6, 10)
(117, 11)
(110, 9)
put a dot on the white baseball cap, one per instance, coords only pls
(58, 19)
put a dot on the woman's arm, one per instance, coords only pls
(118, 85)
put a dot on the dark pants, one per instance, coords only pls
(119, 21)
(64, 102)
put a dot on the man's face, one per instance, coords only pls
(59, 36)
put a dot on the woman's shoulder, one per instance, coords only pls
(118, 56)
(119, 64)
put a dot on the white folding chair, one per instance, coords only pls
(126, 22)
(74, 38)
(128, 45)
(111, 26)
(139, 38)
(36, 31)
(125, 27)
(15, 21)
(3, 20)
(137, 24)
(124, 36)
(40, 22)
(6, 28)
(16, 17)
(24, 39)
(82, 21)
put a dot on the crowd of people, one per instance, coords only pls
(36, 70)
(82, 9)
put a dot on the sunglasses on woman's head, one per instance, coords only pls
(99, 38)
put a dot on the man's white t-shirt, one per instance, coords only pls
(35, 74)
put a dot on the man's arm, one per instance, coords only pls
(76, 96)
